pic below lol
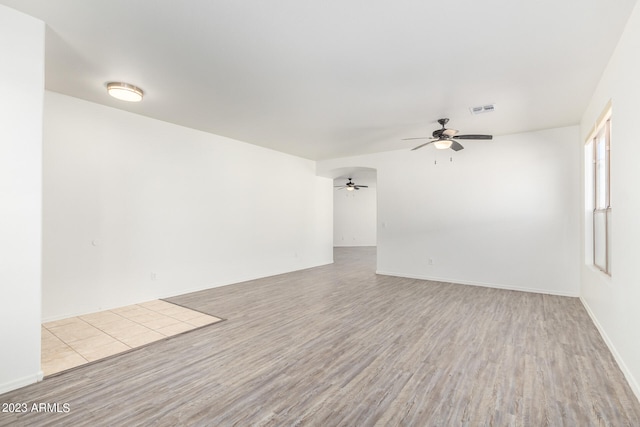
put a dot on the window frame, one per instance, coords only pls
(600, 197)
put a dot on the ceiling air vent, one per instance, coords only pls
(483, 109)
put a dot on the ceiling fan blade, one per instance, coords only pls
(449, 132)
(419, 137)
(455, 146)
(473, 137)
(421, 145)
(363, 186)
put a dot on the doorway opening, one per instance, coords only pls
(355, 202)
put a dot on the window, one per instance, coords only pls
(598, 197)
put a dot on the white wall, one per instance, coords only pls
(136, 209)
(354, 215)
(614, 302)
(502, 213)
(21, 92)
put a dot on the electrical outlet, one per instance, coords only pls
(153, 275)
(430, 261)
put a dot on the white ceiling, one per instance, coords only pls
(325, 79)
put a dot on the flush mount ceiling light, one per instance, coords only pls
(125, 91)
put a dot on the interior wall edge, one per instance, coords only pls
(175, 294)
(21, 382)
(353, 246)
(633, 383)
(508, 287)
(137, 208)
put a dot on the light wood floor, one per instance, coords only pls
(338, 345)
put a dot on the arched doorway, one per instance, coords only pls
(354, 209)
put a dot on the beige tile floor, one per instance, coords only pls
(72, 342)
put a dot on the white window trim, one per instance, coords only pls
(600, 125)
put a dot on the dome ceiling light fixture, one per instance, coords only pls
(125, 91)
(443, 144)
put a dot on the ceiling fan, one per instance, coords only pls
(446, 138)
(350, 186)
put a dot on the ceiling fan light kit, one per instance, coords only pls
(442, 144)
(446, 138)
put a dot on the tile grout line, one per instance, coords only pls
(131, 320)
(192, 309)
(104, 332)
(185, 322)
(179, 322)
(63, 342)
(157, 312)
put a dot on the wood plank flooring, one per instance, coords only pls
(340, 346)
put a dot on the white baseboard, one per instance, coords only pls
(21, 382)
(482, 284)
(150, 297)
(633, 383)
(623, 367)
(359, 245)
(244, 279)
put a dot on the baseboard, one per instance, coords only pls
(482, 284)
(362, 245)
(612, 348)
(21, 382)
(243, 279)
(239, 279)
